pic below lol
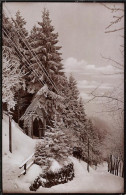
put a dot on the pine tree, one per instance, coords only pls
(22, 34)
(22, 47)
(43, 42)
(91, 137)
(8, 36)
(55, 145)
(45, 60)
(81, 111)
(71, 102)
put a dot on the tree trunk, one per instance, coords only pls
(88, 157)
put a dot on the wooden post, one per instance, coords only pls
(10, 134)
(88, 157)
(118, 167)
(122, 170)
(32, 126)
(25, 168)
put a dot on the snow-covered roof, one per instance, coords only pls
(45, 90)
(38, 101)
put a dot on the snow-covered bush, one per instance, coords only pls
(51, 178)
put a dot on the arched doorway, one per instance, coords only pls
(38, 128)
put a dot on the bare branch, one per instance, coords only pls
(114, 9)
(119, 17)
(114, 30)
(106, 96)
(114, 110)
(108, 58)
(116, 21)
(122, 52)
(109, 96)
(90, 100)
(91, 94)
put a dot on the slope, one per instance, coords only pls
(22, 147)
(96, 181)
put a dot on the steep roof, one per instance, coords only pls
(38, 102)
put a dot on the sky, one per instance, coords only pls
(81, 29)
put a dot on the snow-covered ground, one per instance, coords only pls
(99, 181)
(96, 181)
(22, 147)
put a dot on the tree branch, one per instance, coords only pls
(116, 21)
(114, 30)
(108, 58)
(114, 9)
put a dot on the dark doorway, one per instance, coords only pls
(37, 128)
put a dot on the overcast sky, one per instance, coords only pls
(81, 29)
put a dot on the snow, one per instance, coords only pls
(96, 181)
(32, 173)
(22, 147)
(55, 166)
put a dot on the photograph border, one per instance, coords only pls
(63, 1)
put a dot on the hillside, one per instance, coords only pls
(95, 181)
(22, 148)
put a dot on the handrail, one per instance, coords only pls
(25, 165)
(26, 161)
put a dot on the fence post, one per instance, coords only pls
(123, 170)
(10, 134)
(25, 169)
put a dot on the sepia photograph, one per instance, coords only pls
(62, 97)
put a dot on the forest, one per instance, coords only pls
(41, 99)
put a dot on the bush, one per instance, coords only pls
(50, 178)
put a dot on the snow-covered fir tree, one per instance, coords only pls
(71, 102)
(47, 58)
(22, 49)
(11, 82)
(12, 74)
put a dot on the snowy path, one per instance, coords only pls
(95, 181)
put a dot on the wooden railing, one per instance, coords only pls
(26, 165)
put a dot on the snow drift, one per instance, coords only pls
(22, 145)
